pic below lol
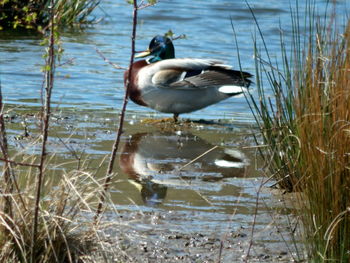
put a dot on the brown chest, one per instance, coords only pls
(134, 92)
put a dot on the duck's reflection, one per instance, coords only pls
(155, 161)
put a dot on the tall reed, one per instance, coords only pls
(305, 127)
(323, 113)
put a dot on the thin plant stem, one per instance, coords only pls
(19, 163)
(45, 127)
(7, 169)
(9, 175)
(116, 66)
(254, 222)
(121, 120)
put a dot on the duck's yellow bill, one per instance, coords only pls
(143, 54)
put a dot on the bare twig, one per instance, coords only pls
(182, 36)
(8, 187)
(121, 120)
(116, 66)
(9, 175)
(198, 157)
(220, 251)
(67, 62)
(145, 5)
(45, 126)
(19, 163)
(73, 152)
(254, 221)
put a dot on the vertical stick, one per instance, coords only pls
(8, 187)
(246, 259)
(121, 120)
(45, 126)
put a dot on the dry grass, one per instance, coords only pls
(323, 128)
(62, 233)
(305, 127)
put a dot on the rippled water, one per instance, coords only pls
(153, 176)
(91, 83)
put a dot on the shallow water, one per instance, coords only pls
(214, 195)
(169, 196)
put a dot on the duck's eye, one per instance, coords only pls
(154, 43)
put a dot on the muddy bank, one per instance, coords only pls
(163, 237)
(181, 193)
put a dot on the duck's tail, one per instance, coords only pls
(234, 81)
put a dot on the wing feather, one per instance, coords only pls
(195, 74)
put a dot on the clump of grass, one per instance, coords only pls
(62, 234)
(305, 126)
(31, 14)
(323, 114)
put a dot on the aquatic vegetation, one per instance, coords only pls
(305, 127)
(31, 14)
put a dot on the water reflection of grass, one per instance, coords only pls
(305, 127)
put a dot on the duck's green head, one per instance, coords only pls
(160, 48)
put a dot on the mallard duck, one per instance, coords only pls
(181, 85)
